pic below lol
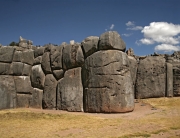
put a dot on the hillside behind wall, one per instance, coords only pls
(95, 75)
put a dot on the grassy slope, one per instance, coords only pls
(19, 123)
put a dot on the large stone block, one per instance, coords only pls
(58, 74)
(56, 57)
(49, 96)
(6, 54)
(38, 60)
(46, 63)
(7, 92)
(24, 100)
(133, 68)
(39, 51)
(28, 57)
(151, 77)
(16, 68)
(37, 77)
(108, 85)
(176, 81)
(4, 68)
(90, 45)
(72, 56)
(70, 91)
(37, 96)
(169, 80)
(26, 70)
(17, 56)
(23, 84)
(111, 40)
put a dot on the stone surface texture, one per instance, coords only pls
(70, 91)
(108, 85)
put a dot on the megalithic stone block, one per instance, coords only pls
(70, 91)
(169, 80)
(107, 81)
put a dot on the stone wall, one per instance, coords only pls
(95, 75)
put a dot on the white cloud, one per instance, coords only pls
(146, 41)
(129, 23)
(127, 35)
(166, 48)
(135, 28)
(165, 35)
(111, 27)
(131, 26)
(162, 32)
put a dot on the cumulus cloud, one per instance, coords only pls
(131, 26)
(166, 48)
(129, 23)
(164, 34)
(127, 35)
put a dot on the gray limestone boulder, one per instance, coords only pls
(133, 68)
(90, 45)
(28, 57)
(17, 56)
(4, 68)
(169, 80)
(24, 100)
(58, 74)
(46, 63)
(26, 70)
(23, 84)
(38, 60)
(6, 54)
(151, 77)
(49, 95)
(111, 40)
(70, 91)
(39, 51)
(176, 81)
(7, 92)
(56, 57)
(16, 68)
(37, 77)
(108, 85)
(72, 56)
(37, 96)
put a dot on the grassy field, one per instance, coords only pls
(162, 119)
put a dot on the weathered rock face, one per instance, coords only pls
(70, 91)
(72, 56)
(133, 68)
(23, 84)
(26, 70)
(108, 85)
(39, 51)
(16, 68)
(130, 52)
(6, 54)
(169, 80)
(37, 77)
(56, 57)
(7, 92)
(27, 44)
(28, 57)
(90, 45)
(176, 81)
(24, 100)
(17, 56)
(46, 63)
(111, 40)
(151, 77)
(4, 68)
(49, 96)
(58, 74)
(37, 96)
(38, 60)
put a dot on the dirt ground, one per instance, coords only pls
(154, 118)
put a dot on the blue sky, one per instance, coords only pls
(144, 25)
